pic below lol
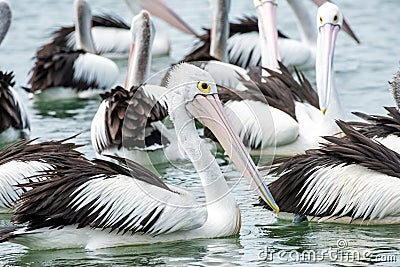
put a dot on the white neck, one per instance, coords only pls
(212, 179)
(83, 27)
(140, 58)
(305, 22)
(219, 29)
(333, 113)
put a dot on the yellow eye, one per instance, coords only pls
(336, 19)
(320, 20)
(204, 87)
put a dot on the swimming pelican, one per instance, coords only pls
(384, 129)
(24, 161)
(111, 34)
(244, 49)
(14, 121)
(79, 69)
(101, 204)
(145, 136)
(311, 115)
(248, 108)
(349, 180)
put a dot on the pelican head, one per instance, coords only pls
(329, 22)
(83, 26)
(5, 18)
(143, 31)
(193, 94)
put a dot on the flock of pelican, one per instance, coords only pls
(238, 83)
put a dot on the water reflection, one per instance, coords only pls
(206, 252)
(59, 108)
(332, 243)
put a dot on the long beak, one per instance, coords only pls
(346, 26)
(266, 10)
(219, 30)
(325, 51)
(209, 111)
(160, 9)
(128, 81)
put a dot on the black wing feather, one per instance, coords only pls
(10, 111)
(295, 171)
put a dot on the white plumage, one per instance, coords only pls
(14, 173)
(98, 128)
(264, 126)
(116, 42)
(121, 197)
(391, 141)
(94, 69)
(371, 194)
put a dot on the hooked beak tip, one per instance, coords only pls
(277, 210)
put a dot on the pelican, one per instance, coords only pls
(244, 49)
(246, 105)
(25, 161)
(100, 204)
(146, 138)
(14, 121)
(80, 69)
(111, 34)
(298, 114)
(384, 129)
(349, 180)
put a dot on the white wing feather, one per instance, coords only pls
(17, 172)
(370, 194)
(93, 68)
(262, 124)
(244, 49)
(124, 201)
(98, 128)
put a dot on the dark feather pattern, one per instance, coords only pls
(377, 125)
(202, 50)
(48, 203)
(57, 69)
(61, 35)
(56, 153)
(143, 110)
(295, 171)
(54, 61)
(10, 111)
(110, 21)
(46, 155)
(280, 90)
